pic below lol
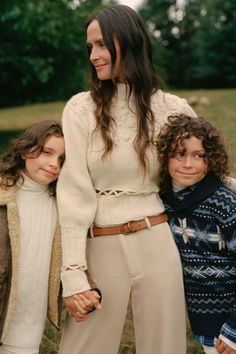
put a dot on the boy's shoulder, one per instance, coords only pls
(223, 196)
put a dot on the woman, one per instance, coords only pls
(109, 180)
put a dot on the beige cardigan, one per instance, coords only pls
(8, 199)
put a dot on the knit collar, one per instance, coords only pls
(29, 185)
(188, 198)
(123, 92)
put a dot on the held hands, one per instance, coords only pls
(223, 348)
(79, 305)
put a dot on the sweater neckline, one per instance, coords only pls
(187, 198)
(123, 92)
(29, 185)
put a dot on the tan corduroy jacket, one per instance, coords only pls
(9, 264)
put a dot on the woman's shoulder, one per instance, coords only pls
(80, 110)
(81, 100)
(172, 103)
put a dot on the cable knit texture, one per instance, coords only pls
(106, 191)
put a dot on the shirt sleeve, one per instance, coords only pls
(188, 110)
(77, 201)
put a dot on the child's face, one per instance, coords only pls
(188, 165)
(45, 167)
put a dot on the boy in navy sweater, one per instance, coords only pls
(202, 215)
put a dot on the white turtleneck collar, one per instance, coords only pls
(31, 186)
(177, 187)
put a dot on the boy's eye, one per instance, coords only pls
(199, 156)
(179, 155)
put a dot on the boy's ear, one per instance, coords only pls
(23, 157)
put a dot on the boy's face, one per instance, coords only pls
(188, 164)
(45, 167)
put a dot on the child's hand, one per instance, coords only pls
(79, 305)
(223, 348)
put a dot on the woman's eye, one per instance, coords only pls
(102, 44)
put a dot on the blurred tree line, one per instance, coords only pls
(194, 41)
(43, 53)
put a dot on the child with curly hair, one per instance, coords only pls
(30, 246)
(202, 216)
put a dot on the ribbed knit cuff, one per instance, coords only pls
(74, 281)
(228, 331)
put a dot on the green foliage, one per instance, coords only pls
(43, 53)
(215, 45)
(194, 42)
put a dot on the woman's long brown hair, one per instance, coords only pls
(136, 69)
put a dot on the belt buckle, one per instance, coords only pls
(129, 229)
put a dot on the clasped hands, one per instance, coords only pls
(223, 348)
(79, 305)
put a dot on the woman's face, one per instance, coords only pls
(100, 56)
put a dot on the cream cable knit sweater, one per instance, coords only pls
(104, 191)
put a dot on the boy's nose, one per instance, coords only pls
(188, 161)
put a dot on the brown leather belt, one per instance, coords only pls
(129, 227)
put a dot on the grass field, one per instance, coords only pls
(219, 106)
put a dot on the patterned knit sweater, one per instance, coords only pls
(203, 221)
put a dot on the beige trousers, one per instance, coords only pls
(144, 266)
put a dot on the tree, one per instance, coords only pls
(214, 45)
(42, 53)
(194, 41)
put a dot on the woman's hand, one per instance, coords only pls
(79, 305)
(223, 348)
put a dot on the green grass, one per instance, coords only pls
(219, 106)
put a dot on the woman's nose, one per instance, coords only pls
(94, 54)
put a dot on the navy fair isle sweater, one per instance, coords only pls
(203, 222)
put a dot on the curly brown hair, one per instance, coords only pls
(179, 127)
(31, 140)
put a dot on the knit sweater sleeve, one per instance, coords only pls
(77, 202)
(227, 221)
(225, 202)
